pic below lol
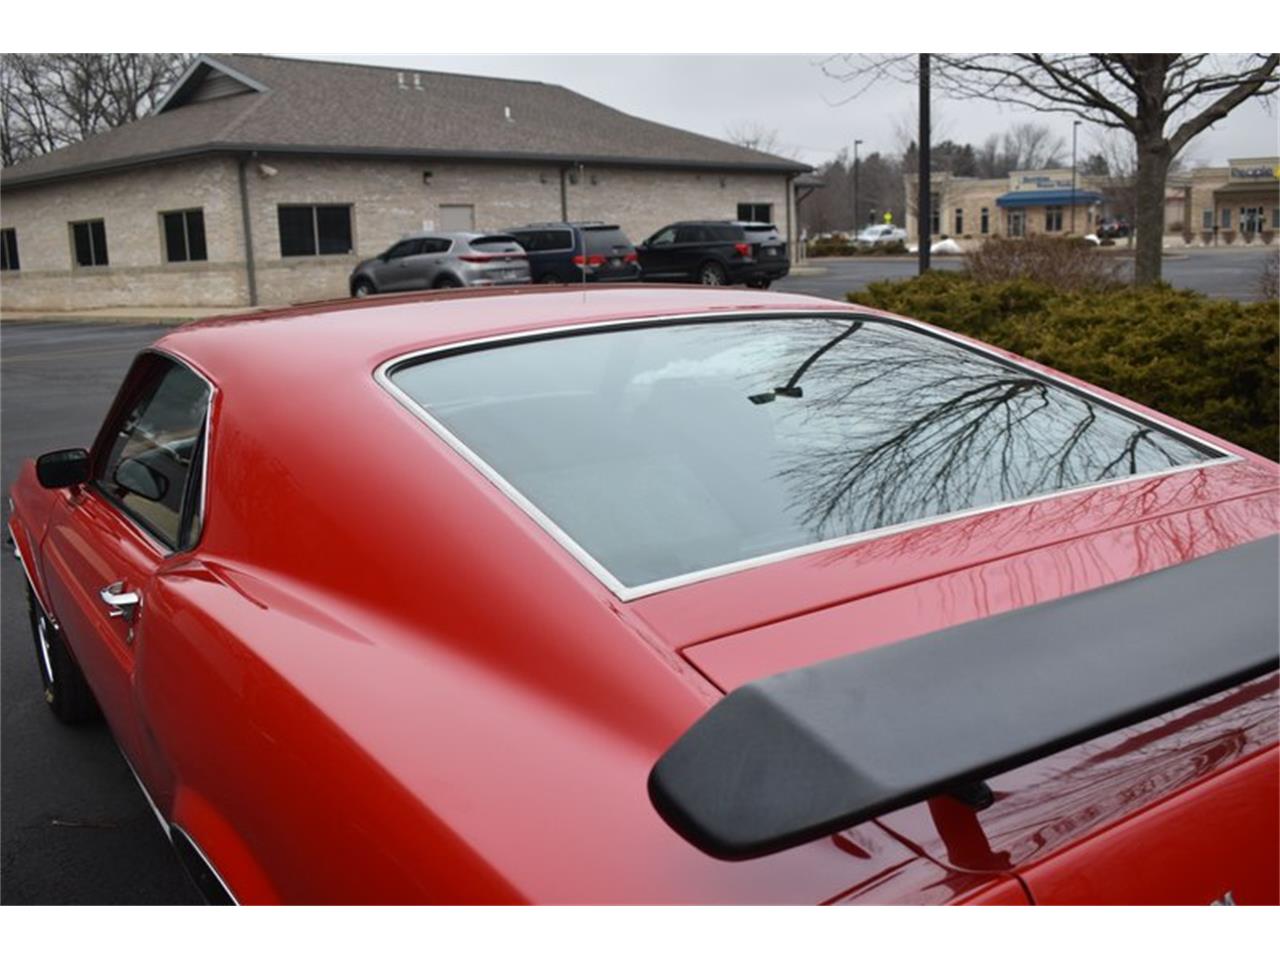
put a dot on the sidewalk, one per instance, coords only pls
(170, 316)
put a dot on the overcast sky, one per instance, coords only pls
(790, 94)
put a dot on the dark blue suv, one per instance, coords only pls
(571, 252)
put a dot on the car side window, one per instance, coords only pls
(436, 245)
(152, 468)
(666, 237)
(402, 249)
(691, 235)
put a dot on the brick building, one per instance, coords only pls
(264, 180)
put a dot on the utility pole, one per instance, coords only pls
(1075, 127)
(923, 214)
(857, 224)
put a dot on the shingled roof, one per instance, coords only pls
(237, 103)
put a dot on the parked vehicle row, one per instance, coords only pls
(711, 252)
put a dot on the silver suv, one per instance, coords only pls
(432, 261)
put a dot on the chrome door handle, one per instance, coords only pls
(122, 604)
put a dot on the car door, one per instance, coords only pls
(108, 538)
(689, 251)
(657, 255)
(396, 272)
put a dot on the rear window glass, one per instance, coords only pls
(610, 240)
(725, 231)
(760, 228)
(666, 450)
(504, 243)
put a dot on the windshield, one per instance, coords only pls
(665, 450)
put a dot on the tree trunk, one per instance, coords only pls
(1153, 169)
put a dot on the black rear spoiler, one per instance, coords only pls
(804, 754)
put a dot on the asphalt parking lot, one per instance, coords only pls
(74, 828)
(1217, 272)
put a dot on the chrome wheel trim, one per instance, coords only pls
(46, 655)
(711, 277)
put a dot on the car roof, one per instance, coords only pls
(351, 337)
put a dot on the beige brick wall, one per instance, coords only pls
(389, 197)
(129, 203)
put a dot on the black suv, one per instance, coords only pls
(715, 252)
(571, 252)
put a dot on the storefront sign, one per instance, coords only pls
(1253, 173)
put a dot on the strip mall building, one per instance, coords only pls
(1232, 204)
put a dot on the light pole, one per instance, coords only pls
(856, 222)
(1075, 127)
(923, 185)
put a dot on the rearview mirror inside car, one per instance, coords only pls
(63, 468)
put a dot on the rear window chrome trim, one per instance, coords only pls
(384, 372)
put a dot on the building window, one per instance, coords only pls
(1206, 220)
(984, 222)
(309, 231)
(935, 215)
(1226, 218)
(1052, 219)
(184, 236)
(89, 240)
(756, 212)
(959, 221)
(1275, 225)
(8, 249)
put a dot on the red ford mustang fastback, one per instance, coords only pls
(663, 596)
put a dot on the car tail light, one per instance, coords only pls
(744, 249)
(595, 260)
(630, 257)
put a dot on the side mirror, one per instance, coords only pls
(140, 479)
(63, 468)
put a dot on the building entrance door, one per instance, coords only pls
(1017, 223)
(457, 217)
(1252, 219)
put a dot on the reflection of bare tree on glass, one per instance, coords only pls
(910, 426)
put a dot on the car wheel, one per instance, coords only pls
(711, 274)
(448, 282)
(65, 689)
(549, 278)
(363, 288)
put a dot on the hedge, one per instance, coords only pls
(1212, 363)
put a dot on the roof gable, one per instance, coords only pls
(207, 79)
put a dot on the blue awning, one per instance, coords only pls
(1047, 198)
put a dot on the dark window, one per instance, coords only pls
(1206, 220)
(149, 468)
(306, 231)
(90, 240)
(669, 449)
(935, 214)
(667, 236)
(405, 248)
(496, 243)
(8, 249)
(184, 236)
(606, 240)
(984, 221)
(436, 245)
(959, 220)
(1275, 225)
(1226, 218)
(761, 212)
(1052, 219)
(692, 234)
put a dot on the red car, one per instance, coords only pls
(663, 596)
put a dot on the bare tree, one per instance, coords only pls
(755, 136)
(52, 100)
(1033, 146)
(1161, 100)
